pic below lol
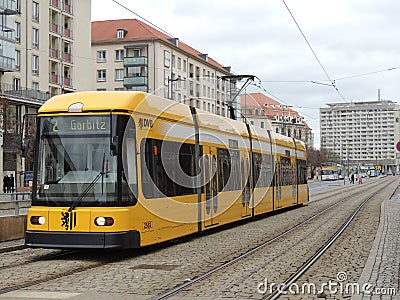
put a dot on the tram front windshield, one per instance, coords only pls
(74, 160)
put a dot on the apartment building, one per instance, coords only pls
(362, 132)
(270, 114)
(41, 55)
(132, 55)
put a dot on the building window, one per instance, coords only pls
(101, 56)
(119, 74)
(35, 38)
(167, 77)
(35, 86)
(17, 32)
(167, 59)
(121, 33)
(101, 75)
(179, 63)
(16, 84)
(35, 64)
(119, 55)
(17, 59)
(262, 124)
(35, 11)
(135, 71)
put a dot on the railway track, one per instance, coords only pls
(372, 187)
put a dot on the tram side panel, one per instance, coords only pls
(167, 200)
(263, 172)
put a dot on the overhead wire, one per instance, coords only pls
(144, 19)
(315, 55)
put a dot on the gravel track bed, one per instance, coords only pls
(164, 267)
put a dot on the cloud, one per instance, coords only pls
(259, 37)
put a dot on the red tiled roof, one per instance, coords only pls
(270, 106)
(106, 31)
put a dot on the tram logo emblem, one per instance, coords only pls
(145, 123)
(68, 220)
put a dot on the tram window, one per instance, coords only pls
(263, 172)
(302, 172)
(129, 169)
(170, 168)
(286, 171)
(228, 170)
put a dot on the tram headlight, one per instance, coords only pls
(38, 220)
(104, 221)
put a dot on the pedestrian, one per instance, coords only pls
(352, 178)
(11, 183)
(360, 178)
(5, 184)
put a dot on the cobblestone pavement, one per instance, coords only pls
(151, 272)
(382, 268)
(347, 265)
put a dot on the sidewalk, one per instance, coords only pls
(381, 271)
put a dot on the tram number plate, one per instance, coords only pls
(148, 225)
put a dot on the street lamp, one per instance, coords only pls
(170, 81)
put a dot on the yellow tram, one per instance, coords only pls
(130, 169)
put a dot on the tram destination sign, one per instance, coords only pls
(75, 125)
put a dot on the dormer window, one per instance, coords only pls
(121, 33)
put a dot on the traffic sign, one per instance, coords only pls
(398, 146)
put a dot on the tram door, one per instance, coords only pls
(246, 192)
(210, 185)
(278, 185)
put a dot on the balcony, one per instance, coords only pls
(25, 93)
(67, 33)
(7, 64)
(67, 8)
(139, 80)
(54, 78)
(8, 7)
(54, 28)
(68, 57)
(135, 61)
(55, 3)
(67, 81)
(54, 53)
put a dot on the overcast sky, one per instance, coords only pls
(259, 37)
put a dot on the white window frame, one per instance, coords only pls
(17, 59)
(35, 65)
(119, 55)
(120, 33)
(18, 32)
(119, 74)
(35, 38)
(167, 59)
(101, 56)
(102, 75)
(35, 11)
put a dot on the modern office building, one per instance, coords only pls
(362, 132)
(41, 55)
(132, 55)
(267, 113)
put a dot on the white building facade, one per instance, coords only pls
(132, 55)
(362, 132)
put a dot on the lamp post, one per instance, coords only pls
(170, 81)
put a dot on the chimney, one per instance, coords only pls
(204, 56)
(174, 41)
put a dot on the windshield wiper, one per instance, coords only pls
(90, 186)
